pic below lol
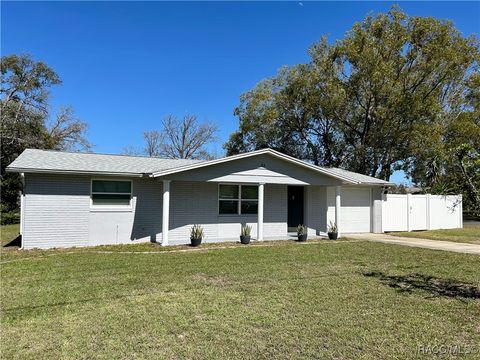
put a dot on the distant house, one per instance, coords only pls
(80, 199)
(413, 190)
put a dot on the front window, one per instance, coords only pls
(111, 193)
(238, 199)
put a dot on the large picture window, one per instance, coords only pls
(111, 193)
(238, 199)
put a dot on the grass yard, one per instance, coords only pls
(8, 233)
(325, 299)
(469, 234)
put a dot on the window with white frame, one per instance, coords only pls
(237, 199)
(111, 193)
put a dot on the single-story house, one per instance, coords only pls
(85, 199)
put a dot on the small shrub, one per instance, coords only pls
(246, 230)
(332, 227)
(196, 232)
(301, 230)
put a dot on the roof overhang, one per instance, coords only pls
(253, 175)
(74, 172)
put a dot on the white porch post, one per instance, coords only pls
(338, 192)
(260, 211)
(165, 211)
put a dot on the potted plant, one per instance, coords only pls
(196, 235)
(245, 234)
(332, 231)
(301, 233)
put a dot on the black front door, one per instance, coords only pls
(295, 206)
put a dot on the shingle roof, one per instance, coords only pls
(364, 179)
(47, 160)
(348, 176)
(75, 162)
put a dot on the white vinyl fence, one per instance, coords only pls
(421, 212)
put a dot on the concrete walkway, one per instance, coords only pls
(417, 242)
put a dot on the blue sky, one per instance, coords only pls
(125, 65)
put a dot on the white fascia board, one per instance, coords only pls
(75, 172)
(375, 184)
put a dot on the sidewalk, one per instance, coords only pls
(416, 242)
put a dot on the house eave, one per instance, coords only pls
(74, 172)
(376, 184)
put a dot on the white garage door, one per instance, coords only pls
(356, 210)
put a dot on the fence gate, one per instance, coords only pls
(418, 212)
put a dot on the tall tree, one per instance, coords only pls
(363, 93)
(445, 157)
(184, 138)
(360, 102)
(26, 121)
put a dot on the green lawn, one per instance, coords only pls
(469, 234)
(325, 299)
(8, 233)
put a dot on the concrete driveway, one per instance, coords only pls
(416, 242)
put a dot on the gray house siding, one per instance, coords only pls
(316, 210)
(197, 203)
(140, 224)
(275, 212)
(57, 213)
(192, 203)
(270, 162)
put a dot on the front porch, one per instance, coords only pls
(185, 203)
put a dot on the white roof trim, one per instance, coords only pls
(76, 172)
(250, 154)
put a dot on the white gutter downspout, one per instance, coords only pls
(22, 208)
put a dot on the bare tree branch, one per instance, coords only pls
(132, 151)
(153, 143)
(184, 138)
(68, 132)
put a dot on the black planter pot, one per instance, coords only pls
(302, 237)
(333, 235)
(245, 239)
(196, 242)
